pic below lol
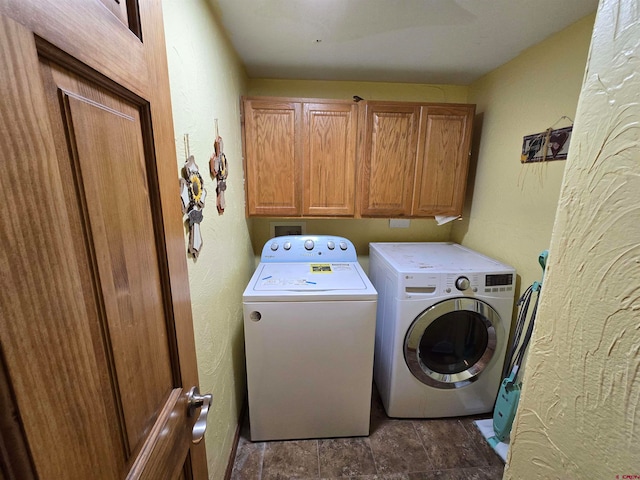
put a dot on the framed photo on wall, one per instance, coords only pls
(546, 146)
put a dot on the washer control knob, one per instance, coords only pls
(343, 245)
(287, 245)
(309, 244)
(331, 245)
(274, 246)
(462, 283)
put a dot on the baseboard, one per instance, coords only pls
(234, 447)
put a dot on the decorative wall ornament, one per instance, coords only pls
(219, 170)
(193, 195)
(548, 145)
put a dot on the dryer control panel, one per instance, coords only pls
(306, 248)
(479, 282)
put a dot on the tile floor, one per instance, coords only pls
(417, 449)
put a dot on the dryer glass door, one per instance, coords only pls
(452, 342)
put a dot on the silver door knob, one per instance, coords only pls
(203, 402)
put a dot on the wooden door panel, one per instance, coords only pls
(105, 135)
(443, 160)
(162, 455)
(96, 36)
(47, 329)
(108, 164)
(389, 161)
(96, 344)
(273, 158)
(329, 158)
(119, 9)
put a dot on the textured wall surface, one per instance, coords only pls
(404, 92)
(207, 81)
(360, 231)
(511, 207)
(579, 415)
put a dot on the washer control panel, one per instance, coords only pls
(306, 248)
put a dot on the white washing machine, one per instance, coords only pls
(443, 320)
(309, 327)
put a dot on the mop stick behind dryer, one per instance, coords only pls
(497, 431)
(509, 393)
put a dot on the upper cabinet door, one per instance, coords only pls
(443, 160)
(302, 157)
(273, 153)
(388, 159)
(329, 164)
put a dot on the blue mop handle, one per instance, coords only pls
(542, 259)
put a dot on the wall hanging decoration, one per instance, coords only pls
(219, 170)
(193, 195)
(548, 145)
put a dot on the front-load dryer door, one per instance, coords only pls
(450, 343)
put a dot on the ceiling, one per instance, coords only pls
(412, 41)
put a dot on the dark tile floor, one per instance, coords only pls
(398, 449)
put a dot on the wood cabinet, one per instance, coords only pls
(415, 159)
(388, 159)
(300, 157)
(329, 159)
(273, 157)
(443, 160)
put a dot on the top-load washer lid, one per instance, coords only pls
(306, 268)
(299, 281)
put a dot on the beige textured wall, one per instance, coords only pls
(207, 81)
(510, 207)
(579, 413)
(360, 231)
(405, 92)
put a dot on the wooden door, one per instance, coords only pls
(389, 159)
(443, 159)
(97, 350)
(329, 159)
(273, 157)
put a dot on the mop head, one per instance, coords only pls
(486, 429)
(496, 430)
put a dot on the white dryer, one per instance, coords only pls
(309, 326)
(443, 320)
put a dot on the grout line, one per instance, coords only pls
(426, 453)
(318, 455)
(262, 450)
(373, 457)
